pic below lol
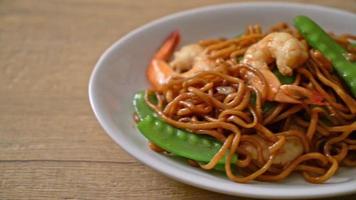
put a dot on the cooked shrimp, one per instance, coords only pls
(287, 50)
(191, 59)
(158, 72)
(289, 152)
(187, 62)
(289, 53)
(184, 58)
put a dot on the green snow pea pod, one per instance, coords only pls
(177, 141)
(140, 105)
(180, 142)
(320, 40)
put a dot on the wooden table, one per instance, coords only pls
(51, 146)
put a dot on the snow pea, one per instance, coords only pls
(320, 40)
(179, 142)
(141, 108)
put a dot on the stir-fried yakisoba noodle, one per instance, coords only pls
(270, 102)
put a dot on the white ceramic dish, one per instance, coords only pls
(120, 72)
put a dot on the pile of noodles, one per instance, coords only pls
(218, 103)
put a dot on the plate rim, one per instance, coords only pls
(176, 173)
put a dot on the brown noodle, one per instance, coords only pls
(325, 132)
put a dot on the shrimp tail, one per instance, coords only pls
(167, 48)
(158, 71)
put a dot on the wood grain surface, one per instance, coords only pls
(51, 146)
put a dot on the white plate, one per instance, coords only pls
(120, 73)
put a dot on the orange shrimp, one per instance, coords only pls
(190, 58)
(158, 72)
(289, 53)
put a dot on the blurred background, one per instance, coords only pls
(51, 146)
